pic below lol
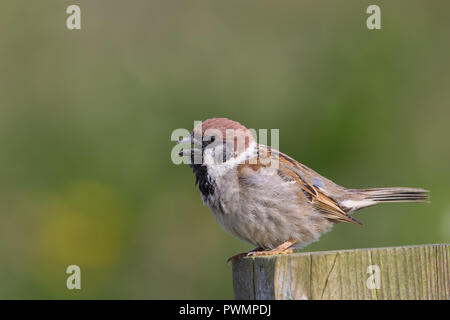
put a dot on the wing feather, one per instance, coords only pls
(293, 171)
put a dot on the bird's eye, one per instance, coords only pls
(207, 141)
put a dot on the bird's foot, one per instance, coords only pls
(283, 248)
(270, 252)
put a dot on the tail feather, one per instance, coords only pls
(395, 194)
(368, 197)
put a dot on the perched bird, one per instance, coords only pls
(265, 197)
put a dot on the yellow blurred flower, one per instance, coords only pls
(83, 226)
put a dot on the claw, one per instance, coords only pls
(243, 254)
(237, 257)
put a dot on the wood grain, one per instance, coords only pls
(412, 272)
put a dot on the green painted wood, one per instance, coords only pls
(412, 272)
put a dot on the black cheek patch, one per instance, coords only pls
(205, 184)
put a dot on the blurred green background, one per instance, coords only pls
(86, 118)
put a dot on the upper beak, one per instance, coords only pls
(185, 139)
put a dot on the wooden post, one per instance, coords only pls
(413, 272)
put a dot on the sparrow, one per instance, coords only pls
(264, 197)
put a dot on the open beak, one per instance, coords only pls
(185, 151)
(191, 150)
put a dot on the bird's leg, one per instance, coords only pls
(244, 254)
(281, 249)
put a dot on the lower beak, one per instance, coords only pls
(186, 152)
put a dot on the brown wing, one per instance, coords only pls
(291, 170)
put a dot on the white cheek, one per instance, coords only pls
(208, 156)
